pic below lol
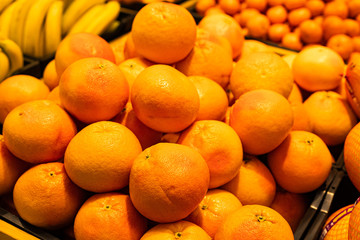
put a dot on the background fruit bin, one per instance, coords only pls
(294, 24)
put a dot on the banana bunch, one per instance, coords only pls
(38, 26)
(11, 57)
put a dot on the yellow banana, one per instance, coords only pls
(99, 24)
(53, 27)
(14, 53)
(33, 24)
(75, 10)
(86, 18)
(67, 3)
(18, 20)
(4, 4)
(6, 19)
(4, 65)
(39, 48)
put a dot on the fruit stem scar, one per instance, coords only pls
(309, 141)
(177, 235)
(147, 156)
(204, 207)
(260, 218)
(51, 174)
(101, 66)
(107, 207)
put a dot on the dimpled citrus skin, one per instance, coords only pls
(163, 32)
(168, 181)
(164, 99)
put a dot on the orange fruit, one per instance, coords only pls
(261, 70)
(55, 96)
(352, 86)
(11, 168)
(202, 5)
(292, 206)
(277, 14)
(214, 10)
(336, 8)
(44, 196)
(262, 119)
(289, 58)
(203, 33)
(351, 157)
(218, 65)
(277, 31)
(164, 99)
(292, 41)
(299, 15)
(310, 32)
(352, 27)
(132, 67)
(118, 46)
(163, 32)
(342, 44)
(176, 230)
(295, 94)
(254, 221)
(213, 209)
(318, 68)
(230, 6)
(81, 45)
(292, 162)
(356, 43)
(259, 5)
(251, 45)
(18, 89)
(213, 98)
(354, 232)
(294, 4)
(333, 25)
(93, 89)
(184, 181)
(219, 145)
(274, 2)
(336, 225)
(254, 184)
(354, 8)
(316, 7)
(99, 214)
(247, 14)
(258, 26)
(50, 76)
(224, 26)
(146, 136)
(38, 131)
(302, 120)
(85, 162)
(331, 116)
(129, 47)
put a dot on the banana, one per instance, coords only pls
(4, 4)
(33, 24)
(75, 10)
(53, 27)
(86, 18)
(67, 3)
(39, 48)
(99, 24)
(18, 20)
(6, 19)
(14, 53)
(5, 65)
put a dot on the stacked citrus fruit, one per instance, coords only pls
(295, 23)
(131, 136)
